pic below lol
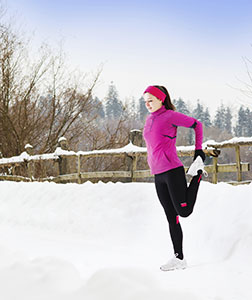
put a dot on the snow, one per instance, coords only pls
(126, 149)
(130, 148)
(24, 156)
(235, 140)
(107, 241)
(62, 139)
(27, 146)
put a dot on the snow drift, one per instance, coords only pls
(107, 241)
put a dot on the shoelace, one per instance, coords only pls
(204, 172)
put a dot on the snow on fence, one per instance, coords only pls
(131, 153)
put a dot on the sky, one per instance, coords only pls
(194, 48)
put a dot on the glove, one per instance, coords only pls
(200, 153)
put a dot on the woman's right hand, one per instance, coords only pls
(200, 153)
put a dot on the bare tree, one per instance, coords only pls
(38, 102)
(246, 89)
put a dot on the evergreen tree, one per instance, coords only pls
(131, 107)
(191, 136)
(228, 120)
(100, 109)
(198, 112)
(207, 119)
(142, 110)
(113, 106)
(181, 106)
(247, 122)
(248, 113)
(219, 120)
(240, 129)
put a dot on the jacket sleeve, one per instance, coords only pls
(179, 119)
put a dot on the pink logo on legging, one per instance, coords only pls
(200, 178)
(183, 204)
(177, 219)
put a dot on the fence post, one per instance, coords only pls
(30, 164)
(129, 164)
(215, 169)
(136, 137)
(63, 161)
(238, 162)
(79, 169)
(134, 167)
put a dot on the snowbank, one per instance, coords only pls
(107, 241)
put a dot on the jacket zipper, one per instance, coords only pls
(152, 121)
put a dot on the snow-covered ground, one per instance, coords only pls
(107, 241)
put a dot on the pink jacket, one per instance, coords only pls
(160, 132)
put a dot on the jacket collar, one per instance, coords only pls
(159, 111)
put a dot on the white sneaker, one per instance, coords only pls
(174, 264)
(196, 166)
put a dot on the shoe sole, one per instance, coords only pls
(183, 268)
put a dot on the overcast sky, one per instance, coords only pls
(194, 48)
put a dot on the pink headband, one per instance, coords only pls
(155, 92)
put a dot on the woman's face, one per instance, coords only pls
(152, 103)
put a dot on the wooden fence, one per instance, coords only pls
(238, 166)
(131, 154)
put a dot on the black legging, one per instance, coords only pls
(177, 200)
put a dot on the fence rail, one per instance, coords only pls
(131, 153)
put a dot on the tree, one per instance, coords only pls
(207, 118)
(181, 106)
(26, 114)
(223, 119)
(142, 110)
(228, 120)
(240, 129)
(114, 107)
(130, 107)
(248, 114)
(99, 107)
(246, 90)
(244, 123)
(219, 120)
(18, 94)
(198, 112)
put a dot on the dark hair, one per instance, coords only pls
(167, 102)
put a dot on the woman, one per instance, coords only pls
(160, 135)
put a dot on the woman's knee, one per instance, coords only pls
(185, 213)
